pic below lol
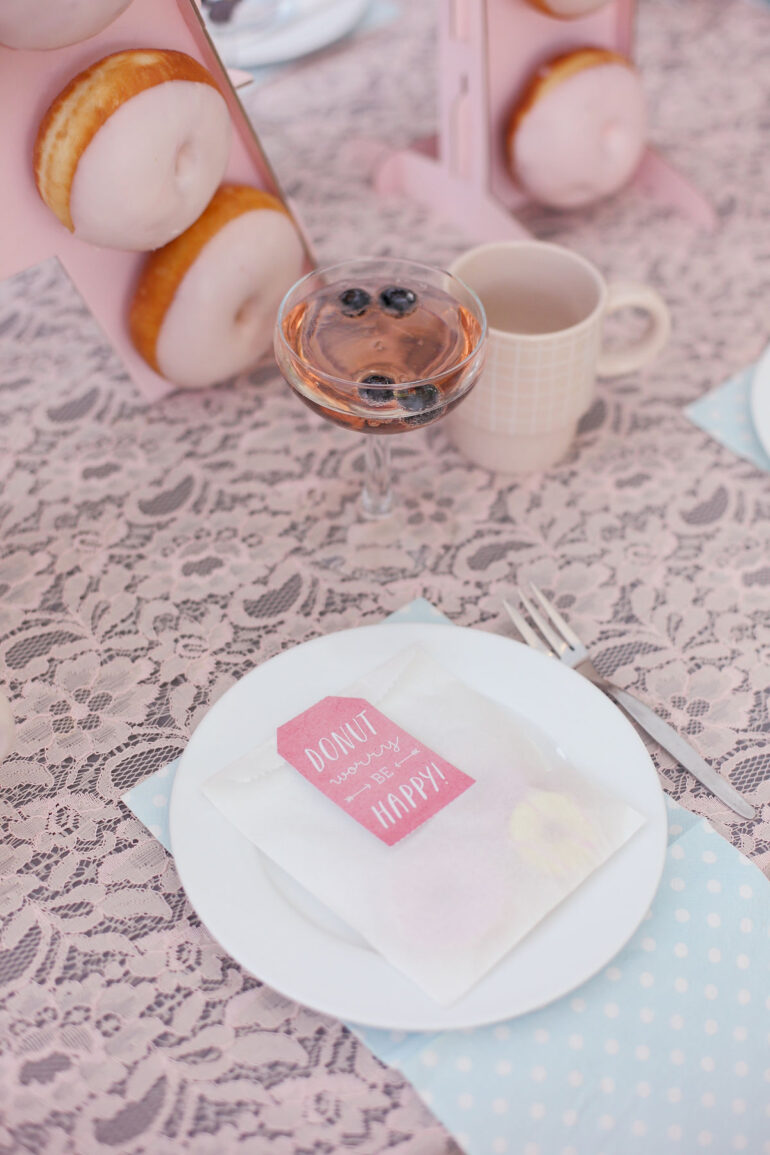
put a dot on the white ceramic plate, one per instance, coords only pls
(760, 399)
(310, 26)
(280, 933)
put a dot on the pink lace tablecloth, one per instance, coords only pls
(153, 555)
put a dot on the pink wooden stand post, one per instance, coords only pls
(450, 173)
(487, 52)
(30, 233)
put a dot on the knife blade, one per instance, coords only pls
(681, 749)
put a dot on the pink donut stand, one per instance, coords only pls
(30, 233)
(488, 50)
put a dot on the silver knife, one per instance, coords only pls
(681, 749)
(564, 645)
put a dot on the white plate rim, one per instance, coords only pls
(304, 35)
(276, 957)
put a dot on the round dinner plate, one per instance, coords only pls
(282, 935)
(314, 25)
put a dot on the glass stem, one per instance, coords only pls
(377, 497)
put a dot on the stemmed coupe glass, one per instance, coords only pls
(380, 346)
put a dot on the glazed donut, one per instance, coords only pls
(421, 896)
(568, 9)
(205, 304)
(45, 24)
(133, 149)
(578, 133)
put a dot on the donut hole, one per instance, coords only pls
(185, 163)
(615, 139)
(249, 314)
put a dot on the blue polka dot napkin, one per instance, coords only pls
(668, 1048)
(725, 413)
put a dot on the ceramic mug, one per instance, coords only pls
(545, 310)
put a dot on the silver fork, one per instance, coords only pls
(563, 643)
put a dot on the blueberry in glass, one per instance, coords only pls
(419, 398)
(398, 301)
(355, 302)
(379, 396)
(420, 401)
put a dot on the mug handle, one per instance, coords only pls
(631, 295)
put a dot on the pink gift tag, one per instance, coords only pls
(362, 761)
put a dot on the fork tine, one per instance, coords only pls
(524, 628)
(557, 643)
(567, 632)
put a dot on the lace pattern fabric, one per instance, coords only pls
(152, 555)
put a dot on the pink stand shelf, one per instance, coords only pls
(30, 233)
(488, 50)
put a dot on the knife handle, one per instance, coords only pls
(681, 749)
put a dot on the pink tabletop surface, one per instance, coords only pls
(151, 555)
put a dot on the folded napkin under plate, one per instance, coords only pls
(667, 1045)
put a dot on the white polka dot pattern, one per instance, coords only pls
(668, 1045)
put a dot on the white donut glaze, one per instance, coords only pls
(42, 24)
(221, 318)
(152, 167)
(570, 9)
(583, 138)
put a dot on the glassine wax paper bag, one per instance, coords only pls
(434, 821)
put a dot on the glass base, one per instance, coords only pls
(375, 506)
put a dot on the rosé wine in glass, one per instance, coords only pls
(380, 346)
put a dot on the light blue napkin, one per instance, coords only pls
(667, 1047)
(725, 413)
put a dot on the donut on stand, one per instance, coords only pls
(143, 126)
(568, 9)
(131, 151)
(488, 51)
(47, 24)
(205, 304)
(579, 131)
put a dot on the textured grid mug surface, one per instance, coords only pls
(535, 384)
